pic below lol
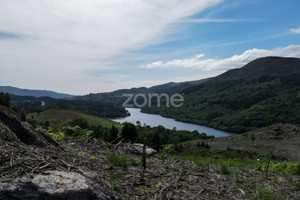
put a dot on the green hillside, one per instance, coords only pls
(58, 118)
(263, 92)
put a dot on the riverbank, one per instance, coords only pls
(157, 120)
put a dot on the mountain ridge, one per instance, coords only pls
(34, 93)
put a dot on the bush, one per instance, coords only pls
(122, 161)
(281, 167)
(224, 169)
(129, 132)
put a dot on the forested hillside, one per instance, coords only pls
(263, 92)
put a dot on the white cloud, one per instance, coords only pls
(297, 30)
(60, 39)
(206, 20)
(235, 61)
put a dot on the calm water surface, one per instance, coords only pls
(156, 120)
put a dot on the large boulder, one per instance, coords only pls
(56, 185)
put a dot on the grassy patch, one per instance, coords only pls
(297, 186)
(206, 161)
(265, 193)
(281, 167)
(58, 118)
(116, 180)
(224, 169)
(122, 161)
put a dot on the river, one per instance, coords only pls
(156, 120)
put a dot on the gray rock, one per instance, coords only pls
(137, 148)
(56, 185)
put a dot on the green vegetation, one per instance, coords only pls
(129, 132)
(122, 161)
(265, 193)
(32, 104)
(58, 118)
(4, 99)
(116, 180)
(262, 93)
(228, 159)
(281, 167)
(224, 169)
(159, 136)
(297, 186)
(68, 124)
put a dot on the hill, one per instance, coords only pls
(281, 139)
(33, 93)
(263, 92)
(116, 96)
(31, 104)
(59, 117)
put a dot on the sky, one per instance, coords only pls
(80, 47)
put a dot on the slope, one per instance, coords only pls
(59, 117)
(263, 92)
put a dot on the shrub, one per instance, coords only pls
(224, 169)
(122, 161)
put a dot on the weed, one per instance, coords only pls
(265, 193)
(172, 168)
(224, 169)
(122, 161)
(116, 179)
(297, 185)
(236, 177)
(146, 189)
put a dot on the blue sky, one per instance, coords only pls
(82, 47)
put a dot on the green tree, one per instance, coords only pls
(23, 115)
(129, 132)
(155, 141)
(113, 133)
(82, 123)
(46, 124)
(4, 99)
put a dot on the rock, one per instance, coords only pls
(137, 148)
(52, 185)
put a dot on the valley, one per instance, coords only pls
(99, 142)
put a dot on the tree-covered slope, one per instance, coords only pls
(263, 92)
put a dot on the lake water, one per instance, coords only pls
(156, 120)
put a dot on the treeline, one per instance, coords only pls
(156, 137)
(4, 99)
(32, 104)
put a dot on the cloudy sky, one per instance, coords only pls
(80, 47)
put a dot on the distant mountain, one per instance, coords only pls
(33, 93)
(264, 92)
(115, 96)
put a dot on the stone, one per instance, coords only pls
(137, 148)
(56, 185)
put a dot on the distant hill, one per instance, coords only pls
(59, 117)
(33, 93)
(114, 97)
(31, 104)
(264, 92)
